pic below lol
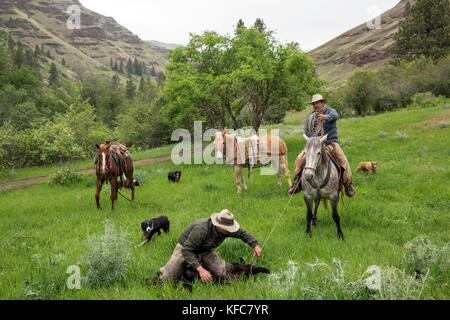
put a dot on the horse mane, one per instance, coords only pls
(324, 155)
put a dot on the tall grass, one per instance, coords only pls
(407, 198)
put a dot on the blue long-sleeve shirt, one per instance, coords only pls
(329, 125)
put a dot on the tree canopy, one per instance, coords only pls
(424, 31)
(216, 76)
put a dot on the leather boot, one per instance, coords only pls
(297, 185)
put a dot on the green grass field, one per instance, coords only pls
(44, 228)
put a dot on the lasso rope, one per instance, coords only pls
(273, 229)
(315, 130)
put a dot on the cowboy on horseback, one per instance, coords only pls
(321, 122)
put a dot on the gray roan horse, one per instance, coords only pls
(320, 180)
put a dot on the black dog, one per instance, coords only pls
(174, 176)
(150, 227)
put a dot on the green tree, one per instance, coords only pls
(361, 91)
(260, 25)
(406, 9)
(130, 89)
(19, 57)
(37, 51)
(129, 67)
(53, 78)
(215, 77)
(425, 31)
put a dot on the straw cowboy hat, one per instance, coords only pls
(225, 220)
(317, 97)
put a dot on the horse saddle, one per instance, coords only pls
(119, 153)
(332, 157)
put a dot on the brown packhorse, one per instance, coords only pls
(107, 170)
(272, 149)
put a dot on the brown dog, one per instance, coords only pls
(370, 166)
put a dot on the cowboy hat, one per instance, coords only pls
(225, 220)
(317, 97)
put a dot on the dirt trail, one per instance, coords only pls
(25, 183)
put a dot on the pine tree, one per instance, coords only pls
(115, 68)
(29, 60)
(53, 79)
(130, 89)
(19, 57)
(259, 23)
(136, 66)
(63, 62)
(121, 66)
(129, 67)
(141, 84)
(110, 62)
(240, 24)
(37, 51)
(48, 54)
(11, 43)
(407, 9)
(115, 82)
(424, 31)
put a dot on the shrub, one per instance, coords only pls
(401, 136)
(284, 281)
(443, 124)
(421, 255)
(382, 134)
(107, 257)
(65, 176)
(321, 280)
(49, 278)
(140, 175)
(390, 283)
(330, 54)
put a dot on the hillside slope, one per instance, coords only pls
(99, 39)
(359, 47)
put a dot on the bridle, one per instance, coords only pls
(313, 183)
(106, 162)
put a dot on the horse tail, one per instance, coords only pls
(325, 204)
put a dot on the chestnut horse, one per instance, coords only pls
(272, 149)
(107, 170)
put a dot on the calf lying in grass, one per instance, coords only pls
(190, 275)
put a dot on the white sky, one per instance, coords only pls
(308, 22)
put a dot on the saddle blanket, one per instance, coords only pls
(247, 150)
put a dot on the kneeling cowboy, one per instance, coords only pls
(320, 122)
(196, 248)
